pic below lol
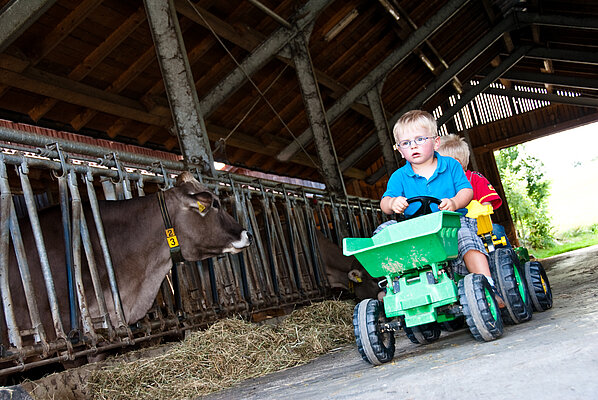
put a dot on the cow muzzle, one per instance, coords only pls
(246, 239)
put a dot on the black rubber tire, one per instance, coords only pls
(538, 286)
(375, 347)
(510, 283)
(481, 312)
(454, 325)
(423, 334)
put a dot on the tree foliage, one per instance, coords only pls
(527, 192)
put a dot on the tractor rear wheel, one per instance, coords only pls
(374, 346)
(510, 283)
(538, 285)
(423, 334)
(481, 312)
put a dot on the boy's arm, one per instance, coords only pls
(461, 199)
(391, 205)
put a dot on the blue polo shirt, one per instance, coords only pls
(445, 182)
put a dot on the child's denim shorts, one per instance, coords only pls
(468, 240)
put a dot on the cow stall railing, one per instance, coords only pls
(283, 268)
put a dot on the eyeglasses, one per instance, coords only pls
(403, 144)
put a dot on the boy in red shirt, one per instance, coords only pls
(454, 146)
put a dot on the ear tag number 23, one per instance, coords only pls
(171, 238)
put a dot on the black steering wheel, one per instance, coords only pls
(424, 208)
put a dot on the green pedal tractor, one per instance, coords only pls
(422, 292)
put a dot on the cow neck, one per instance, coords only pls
(171, 239)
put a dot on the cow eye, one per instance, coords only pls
(215, 203)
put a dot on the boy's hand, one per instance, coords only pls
(447, 205)
(399, 204)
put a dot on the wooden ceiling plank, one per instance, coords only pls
(117, 127)
(148, 133)
(247, 40)
(63, 29)
(50, 85)
(118, 85)
(94, 58)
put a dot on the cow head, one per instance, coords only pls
(203, 227)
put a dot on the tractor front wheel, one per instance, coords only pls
(510, 283)
(374, 346)
(479, 307)
(538, 286)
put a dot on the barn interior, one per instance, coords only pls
(292, 92)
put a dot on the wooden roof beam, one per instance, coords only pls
(248, 39)
(94, 58)
(443, 79)
(63, 89)
(17, 16)
(484, 83)
(62, 30)
(553, 98)
(551, 79)
(376, 75)
(260, 56)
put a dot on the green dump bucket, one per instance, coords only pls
(407, 245)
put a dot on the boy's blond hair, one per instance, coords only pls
(454, 146)
(415, 119)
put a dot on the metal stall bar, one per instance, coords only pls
(93, 271)
(66, 227)
(302, 234)
(238, 211)
(39, 333)
(63, 194)
(41, 249)
(76, 229)
(268, 231)
(290, 228)
(317, 261)
(261, 260)
(12, 329)
(259, 277)
(285, 271)
(95, 209)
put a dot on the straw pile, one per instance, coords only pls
(227, 353)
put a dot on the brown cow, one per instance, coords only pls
(135, 233)
(343, 271)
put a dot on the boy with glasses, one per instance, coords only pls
(427, 173)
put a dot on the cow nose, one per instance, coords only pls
(249, 237)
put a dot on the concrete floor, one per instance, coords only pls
(553, 356)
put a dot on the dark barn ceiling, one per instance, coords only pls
(90, 67)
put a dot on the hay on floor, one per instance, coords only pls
(227, 353)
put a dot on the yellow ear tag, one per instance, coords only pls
(201, 207)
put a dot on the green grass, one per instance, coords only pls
(574, 239)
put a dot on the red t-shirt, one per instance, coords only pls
(483, 191)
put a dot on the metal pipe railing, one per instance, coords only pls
(282, 268)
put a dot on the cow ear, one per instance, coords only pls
(355, 276)
(203, 202)
(185, 177)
